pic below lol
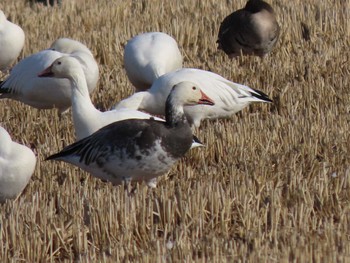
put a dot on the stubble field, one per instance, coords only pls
(272, 183)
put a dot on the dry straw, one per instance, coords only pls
(273, 183)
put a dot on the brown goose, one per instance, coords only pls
(252, 30)
(135, 149)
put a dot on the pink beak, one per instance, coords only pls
(46, 72)
(205, 100)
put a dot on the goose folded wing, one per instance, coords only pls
(111, 141)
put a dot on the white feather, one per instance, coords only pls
(17, 164)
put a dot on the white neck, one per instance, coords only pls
(84, 112)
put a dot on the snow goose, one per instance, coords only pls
(148, 56)
(11, 42)
(17, 164)
(136, 150)
(229, 97)
(23, 84)
(87, 119)
(252, 30)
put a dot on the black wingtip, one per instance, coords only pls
(67, 151)
(3, 89)
(196, 140)
(261, 95)
(54, 156)
(51, 157)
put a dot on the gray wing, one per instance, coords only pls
(109, 139)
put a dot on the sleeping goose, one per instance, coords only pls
(252, 30)
(17, 164)
(23, 84)
(229, 97)
(134, 149)
(11, 42)
(148, 56)
(87, 119)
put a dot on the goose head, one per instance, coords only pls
(184, 93)
(187, 93)
(63, 67)
(68, 46)
(255, 6)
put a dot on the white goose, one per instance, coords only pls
(17, 164)
(11, 42)
(135, 150)
(229, 97)
(148, 56)
(87, 119)
(24, 85)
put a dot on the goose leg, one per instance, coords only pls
(128, 187)
(152, 183)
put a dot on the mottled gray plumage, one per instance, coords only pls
(252, 30)
(138, 149)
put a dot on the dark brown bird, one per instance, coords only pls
(252, 30)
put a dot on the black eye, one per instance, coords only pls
(59, 62)
(194, 88)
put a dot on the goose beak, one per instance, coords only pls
(46, 72)
(205, 100)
